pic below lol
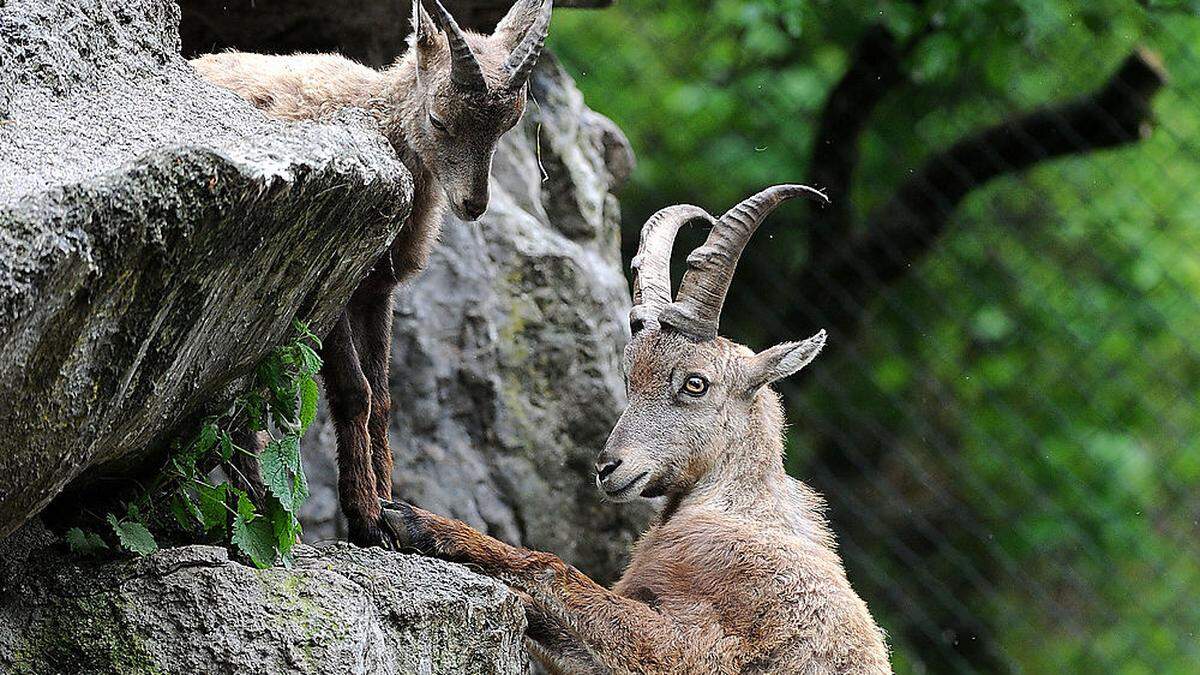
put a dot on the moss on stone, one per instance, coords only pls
(84, 634)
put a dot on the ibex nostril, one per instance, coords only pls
(605, 470)
(473, 208)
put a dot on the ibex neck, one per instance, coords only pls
(398, 102)
(744, 475)
(398, 106)
(748, 482)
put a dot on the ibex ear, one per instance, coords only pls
(517, 22)
(783, 360)
(424, 35)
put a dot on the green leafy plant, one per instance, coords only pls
(282, 403)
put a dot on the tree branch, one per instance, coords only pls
(873, 72)
(838, 287)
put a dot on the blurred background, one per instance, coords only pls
(1006, 425)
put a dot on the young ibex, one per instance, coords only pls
(740, 573)
(443, 105)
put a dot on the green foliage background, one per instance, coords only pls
(1034, 503)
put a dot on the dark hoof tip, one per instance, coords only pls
(404, 529)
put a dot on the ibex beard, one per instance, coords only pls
(739, 573)
(443, 106)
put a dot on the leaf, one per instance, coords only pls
(212, 506)
(302, 328)
(285, 400)
(185, 461)
(185, 510)
(133, 536)
(256, 539)
(299, 490)
(208, 439)
(254, 411)
(84, 543)
(267, 373)
(310, 362)
(308, 402)
(76, 539)
(274, 463)
(245, 507)
(291, 451)
(226, 446)
(287, 528)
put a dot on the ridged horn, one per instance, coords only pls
(652, 263)
(464, 68)
(697, 307)
(525, 55)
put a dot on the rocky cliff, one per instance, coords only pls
(158, 236)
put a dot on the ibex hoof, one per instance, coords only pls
(365, 534)
(403, 529)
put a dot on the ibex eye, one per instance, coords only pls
(437, 124)
(695, 385)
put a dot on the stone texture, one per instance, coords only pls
(506, 353)
(191, 610)
(157, 237)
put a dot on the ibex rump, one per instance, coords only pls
(740, 573)
(444, 106)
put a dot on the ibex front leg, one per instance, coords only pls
(560, 650)
(350, 407)
(619, 633)
(371, 320)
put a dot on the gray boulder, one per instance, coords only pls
(157, 237)
(506, 375)
(192, 610)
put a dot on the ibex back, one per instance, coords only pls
(740, 572)
(444, 106)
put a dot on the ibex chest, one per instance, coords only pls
(722, 578)
(409, 251)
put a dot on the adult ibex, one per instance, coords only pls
(444, 106)
(739, 574)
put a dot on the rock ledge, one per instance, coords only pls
(192, 610)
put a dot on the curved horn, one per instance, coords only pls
(464, 68)
(697, 309)
(652, 264)
(525, 55)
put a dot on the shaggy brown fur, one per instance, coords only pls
(740, 572)
(445, 129)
